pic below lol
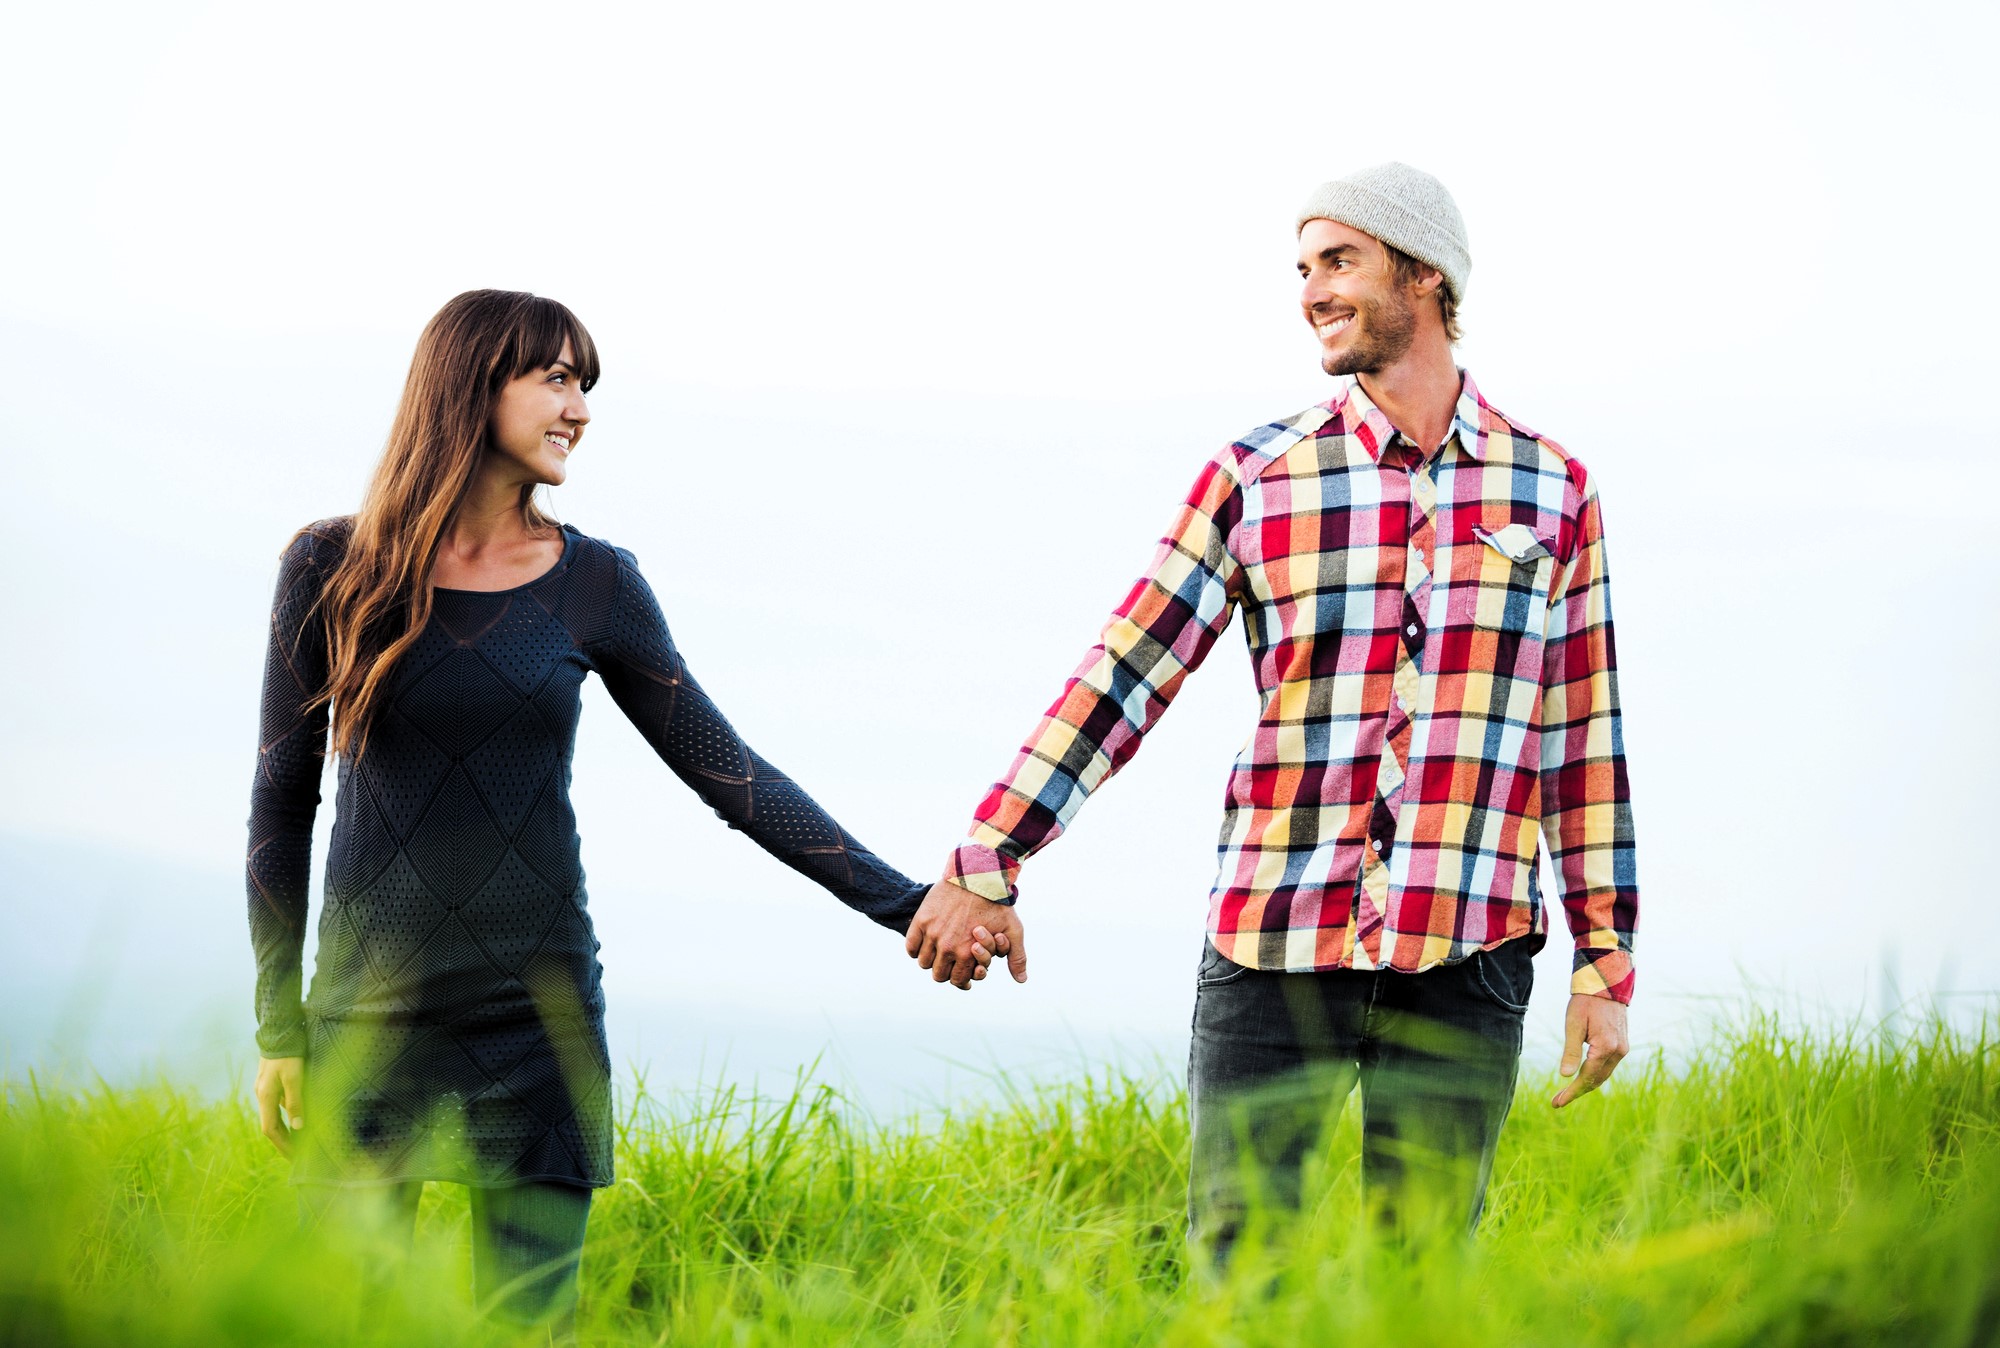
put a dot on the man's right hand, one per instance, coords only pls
(955, 933)
(281, 1081)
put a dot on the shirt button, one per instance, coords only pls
(1376, 843)
(1400, 704)
(1411, 629)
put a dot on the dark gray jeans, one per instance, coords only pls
(527, 1240)
(1275, 1055)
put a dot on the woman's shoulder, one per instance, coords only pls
(604, 592)
(321, 543)
(600, 553)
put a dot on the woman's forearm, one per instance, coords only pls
(284, 795)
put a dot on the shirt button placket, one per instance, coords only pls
(1399, 751)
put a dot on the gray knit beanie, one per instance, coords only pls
(1403, 207)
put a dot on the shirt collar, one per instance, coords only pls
(1360, 417)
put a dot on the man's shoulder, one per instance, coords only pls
(1493, 419)
(1554, 458)
(1251, 453)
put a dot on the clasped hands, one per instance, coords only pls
(956, 934)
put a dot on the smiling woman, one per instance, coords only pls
(481, 372)
(455, 1025)
(536, 422)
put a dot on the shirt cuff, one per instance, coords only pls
(284, 1040)
(980, 869)
(1602, 972)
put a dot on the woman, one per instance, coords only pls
(455, 1023)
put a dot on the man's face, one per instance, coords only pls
(1364, 317)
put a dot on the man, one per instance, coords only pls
(1425, 600)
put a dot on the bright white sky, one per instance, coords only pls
(917, 321)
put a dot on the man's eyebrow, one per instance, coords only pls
(1331, 253)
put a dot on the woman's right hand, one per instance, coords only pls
(281, 1081)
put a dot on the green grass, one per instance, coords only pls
(1776, 1190)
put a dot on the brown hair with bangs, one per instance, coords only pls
(378, 597)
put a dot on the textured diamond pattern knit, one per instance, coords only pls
(455, 1027)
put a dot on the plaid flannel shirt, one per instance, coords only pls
(1431, 640)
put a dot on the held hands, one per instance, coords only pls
(1600, 1023)
(280, 1081)
(956, 934)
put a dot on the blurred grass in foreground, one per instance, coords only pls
(1778, 1190)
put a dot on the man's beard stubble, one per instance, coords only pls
(1386, 331)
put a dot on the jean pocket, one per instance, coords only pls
(1506, 974)
(1216, 968)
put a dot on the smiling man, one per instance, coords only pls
(1424, 596)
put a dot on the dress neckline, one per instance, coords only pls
(560, 563)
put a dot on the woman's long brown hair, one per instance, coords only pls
(378, 598)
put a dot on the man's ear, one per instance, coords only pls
(1428, 283)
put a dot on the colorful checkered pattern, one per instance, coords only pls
(1431, 639)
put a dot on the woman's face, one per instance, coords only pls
(538, 420)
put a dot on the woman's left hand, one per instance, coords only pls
(281, 1081)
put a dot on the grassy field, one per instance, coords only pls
(1776, 1190)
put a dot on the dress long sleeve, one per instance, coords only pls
(284, 795)
(651, 684)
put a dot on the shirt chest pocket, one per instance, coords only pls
(1515, 569)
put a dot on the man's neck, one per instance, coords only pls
(1418, 393)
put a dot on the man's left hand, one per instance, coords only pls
(1599, 1024)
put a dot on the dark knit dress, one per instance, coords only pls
(455, 1026)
